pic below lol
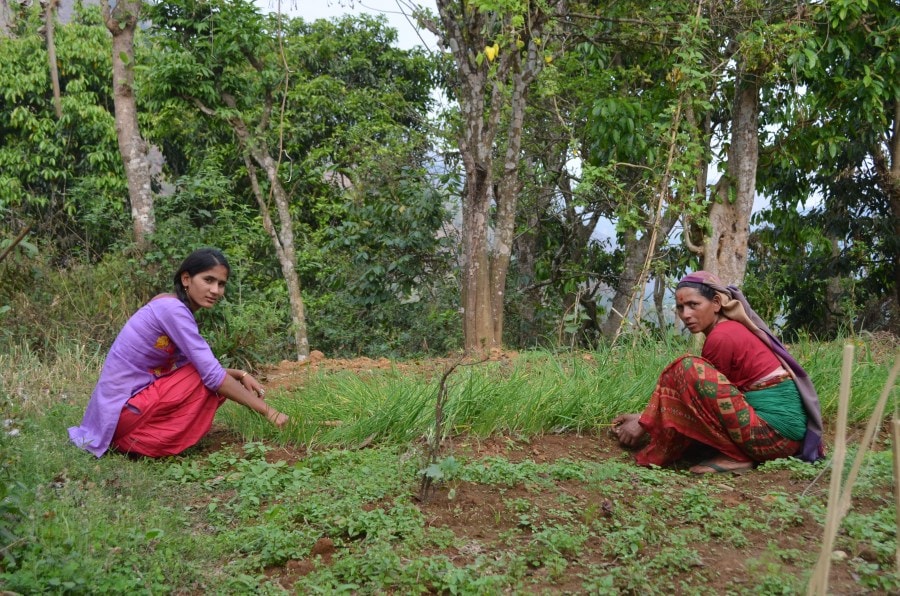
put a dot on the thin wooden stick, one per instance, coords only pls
(434, 447)
(895, 427)
(818, 583)
(869, 436)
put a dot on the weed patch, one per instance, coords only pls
(514, 506)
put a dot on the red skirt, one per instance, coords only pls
(694, 403)
(168, 416)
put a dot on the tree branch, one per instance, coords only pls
(15, 242)
(201, 106)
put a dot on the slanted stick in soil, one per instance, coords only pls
(818, 583)
(895, 427)
(868, 437)
(434, 448)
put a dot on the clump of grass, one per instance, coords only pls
(30, 381)
(538, 393)
(85, 303)
(220, 521)
(823, 362)
(343, 409)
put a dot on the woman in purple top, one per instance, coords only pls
(161, 385)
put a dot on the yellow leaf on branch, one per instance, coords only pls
(491, 52)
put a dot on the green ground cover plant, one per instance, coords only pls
(531, 495)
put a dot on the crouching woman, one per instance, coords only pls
(161, 384)
(745, 398)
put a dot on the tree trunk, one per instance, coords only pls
(526, 249)
(725, 253)
(49, 25)
(507, 198)
(894, 193)
(121, 22)
(579, 225)
(6, 19)
(659, 297)
(478, 326)
(283, 238)
(635, 250)
(835, 316)
(888, 168)
(490, 86)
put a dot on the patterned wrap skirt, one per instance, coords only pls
(695, 403)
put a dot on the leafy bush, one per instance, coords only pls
(244, 334)
(87, 303)
(397, 328)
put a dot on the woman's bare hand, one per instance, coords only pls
(251, 384)
(628, 430)
(279, 419)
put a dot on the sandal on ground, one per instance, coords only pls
(722, 465)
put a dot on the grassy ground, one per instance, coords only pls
(531, 495)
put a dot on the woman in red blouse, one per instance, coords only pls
(745, 397)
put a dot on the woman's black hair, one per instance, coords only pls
(202, 259)
(705, 290)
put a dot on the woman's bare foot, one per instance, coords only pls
(628, 430)
(722, 465)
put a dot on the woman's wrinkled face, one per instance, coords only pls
(698, 313)
(206, 288)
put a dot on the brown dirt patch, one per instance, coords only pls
(483, 520)
(481, 515)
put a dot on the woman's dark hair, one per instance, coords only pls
(202, 259)
(705, 290)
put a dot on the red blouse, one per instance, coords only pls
(738, 354)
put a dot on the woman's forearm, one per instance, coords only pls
(238, 392)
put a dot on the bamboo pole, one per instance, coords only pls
(869, 436)
(895, 427)
(818, 583)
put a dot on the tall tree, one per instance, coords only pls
(49, 31)
(221, 60)
(835, 152)
(725, 251)
(635, 78)
(122, 20)
(750, 43)
(62, 176)
(308, 104)
(498, 48)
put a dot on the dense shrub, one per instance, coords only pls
(427, 324)
(84, 302)
(88, 303)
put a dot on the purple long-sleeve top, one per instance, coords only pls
(160, 337)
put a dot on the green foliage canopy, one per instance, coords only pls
(63, 177)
